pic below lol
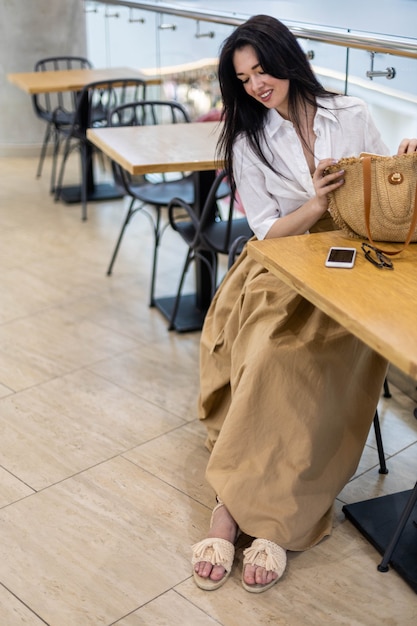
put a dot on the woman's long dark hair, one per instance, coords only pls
(280, 55)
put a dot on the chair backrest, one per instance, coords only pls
(217, 226)
(45, 104)
(98, 99)
(211, 209)
(217, 211)
(146, 113)
(212, 232)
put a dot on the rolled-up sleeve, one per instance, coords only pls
(261, 208)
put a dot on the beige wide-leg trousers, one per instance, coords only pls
(287, 396)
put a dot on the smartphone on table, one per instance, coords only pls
(341, 257)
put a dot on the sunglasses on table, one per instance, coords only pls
(376, 257)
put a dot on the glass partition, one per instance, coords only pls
(183, 52)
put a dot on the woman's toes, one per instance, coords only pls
(205, 569)
(249, 574)
(264, 577)
(217, 572)
(254, 575)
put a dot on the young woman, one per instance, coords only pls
(286, 394)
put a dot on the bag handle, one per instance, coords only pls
(366, 165)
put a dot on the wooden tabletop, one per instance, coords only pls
(162, 148)
(73, 80)
(377, 305)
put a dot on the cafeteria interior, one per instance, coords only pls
(102, 458)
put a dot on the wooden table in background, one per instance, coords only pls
(380, 307)
(74, 80)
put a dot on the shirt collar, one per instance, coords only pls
(327, 111)
(275, 121)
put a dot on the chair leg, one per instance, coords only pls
(381, 454)
(157, 239)
(211, 265)
(58, 186)
(158, 232)
(129, 214)
(57, 144)
(190, 257)
(85, 163)
(212, 268)
(42, 155)
(387, 392)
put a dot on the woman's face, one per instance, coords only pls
(272, 92)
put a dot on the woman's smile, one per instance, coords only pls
(264, 96)
(272, 92)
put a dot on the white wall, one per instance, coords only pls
(30, 31)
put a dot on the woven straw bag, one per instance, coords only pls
(378, 200)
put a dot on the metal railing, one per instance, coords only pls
(345, 61)
(372, 42)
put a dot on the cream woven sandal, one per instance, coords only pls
(267, 554)
(215, 551)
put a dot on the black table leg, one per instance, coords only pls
(72, 194)
(389, 523)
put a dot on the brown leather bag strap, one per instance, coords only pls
(367, 173)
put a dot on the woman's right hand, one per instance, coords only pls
(324, 183)
(301, 220)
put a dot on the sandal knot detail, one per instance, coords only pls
(215, 551)
(267, 554)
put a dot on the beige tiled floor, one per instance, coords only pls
(102, 459)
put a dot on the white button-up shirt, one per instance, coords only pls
(344, 128)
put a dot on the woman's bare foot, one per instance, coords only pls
(264, 563)
(255, 575)
(223, 526)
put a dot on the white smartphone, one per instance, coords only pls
(341, 257)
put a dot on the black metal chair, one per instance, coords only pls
(151, 190)
(206, 235)
(56, 109)
(94, 103)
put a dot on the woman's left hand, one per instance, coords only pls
(407, 146)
